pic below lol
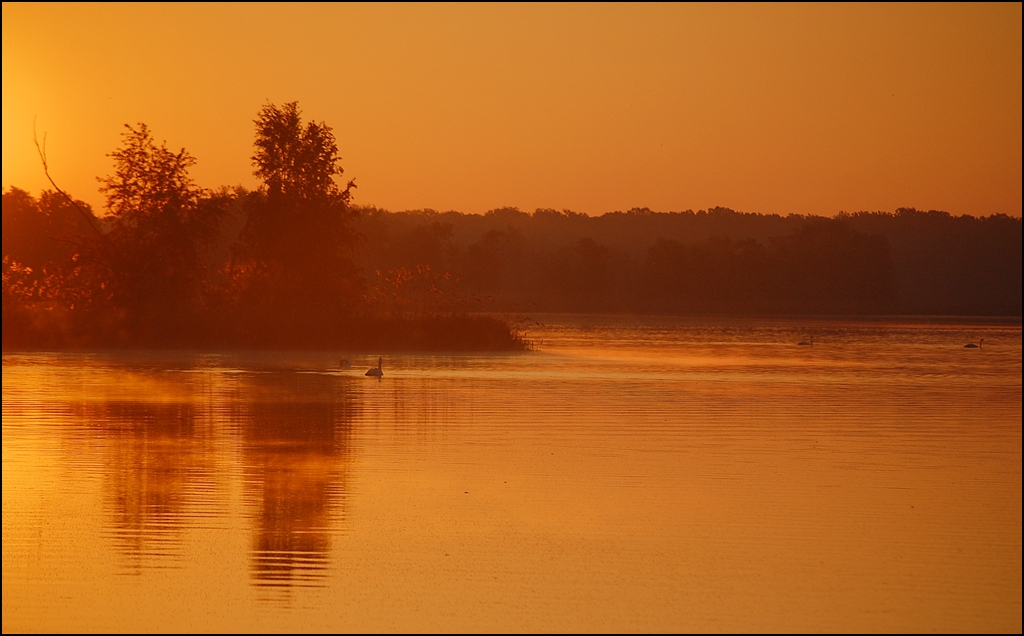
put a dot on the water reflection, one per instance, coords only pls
(628, 477)
(158, 475)
(296, 430)
(162, 438)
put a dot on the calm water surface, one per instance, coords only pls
(630, 474)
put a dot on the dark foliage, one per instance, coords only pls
(292, 265)
(295, 265)
(161, 225)
(176, 265)
(712, 261)
(944, 264)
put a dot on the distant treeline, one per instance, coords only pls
(296, 264)
(715, 261)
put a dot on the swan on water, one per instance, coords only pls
(376, 371)
(806, 343)
(971, 345)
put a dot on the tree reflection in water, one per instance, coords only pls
(165, 442)
(295, 430)
(158, 476)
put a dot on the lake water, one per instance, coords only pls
(629, 474)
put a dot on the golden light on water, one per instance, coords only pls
(744, 484)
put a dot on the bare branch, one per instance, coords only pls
(63, 240)
(46, 170)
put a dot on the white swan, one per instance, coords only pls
(971, 345)
(805, 343)
(376, 371)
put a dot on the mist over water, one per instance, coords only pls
(635, 474)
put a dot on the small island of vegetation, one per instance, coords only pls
(172, 264)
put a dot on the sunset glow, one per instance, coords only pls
(808, 109)
(512, 318)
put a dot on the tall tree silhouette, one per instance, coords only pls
(293, 256)
(160, 224)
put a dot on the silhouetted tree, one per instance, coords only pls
(52, 293)
(293, 258)
(827, 267)
(487, 263)
(47, 231)
(946, 264)
(587, 276)
(161, 222)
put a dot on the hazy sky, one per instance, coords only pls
(798, 108)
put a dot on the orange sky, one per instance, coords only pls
(782, 109)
